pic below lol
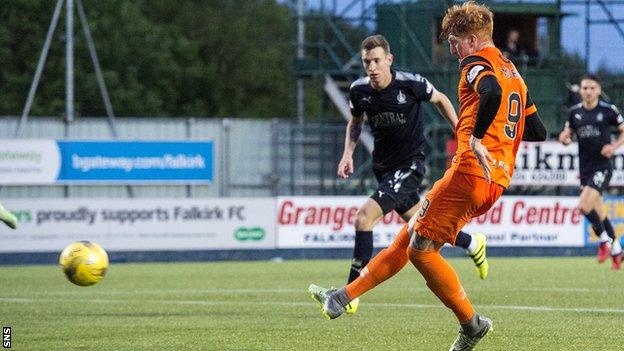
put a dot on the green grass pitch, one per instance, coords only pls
(535, 303)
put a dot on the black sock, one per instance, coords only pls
(593, 217)
(471, 327)
(609, 228)
(341, 296)
(463, 239)
(362, 253)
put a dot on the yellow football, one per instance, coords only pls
(84, 263)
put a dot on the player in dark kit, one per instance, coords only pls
(592, 121)
(391, 101)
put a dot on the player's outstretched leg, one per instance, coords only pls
(386, 264)
(8, 218)
(444, 283)
(471, 333)
(476, 247)
(383, 266)
(332, 301)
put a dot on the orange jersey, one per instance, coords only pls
(504, 135)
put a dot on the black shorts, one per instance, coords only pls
(598, 179)
(398, 189)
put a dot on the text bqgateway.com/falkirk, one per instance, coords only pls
(167, 161)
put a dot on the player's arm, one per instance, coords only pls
(534, 129)
(565, 137)
(490, 96)
(609, 149)
(445, 107)
(425, 91)
(352, 136)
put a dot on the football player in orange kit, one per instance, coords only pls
(496, 114)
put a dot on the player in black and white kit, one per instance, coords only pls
(391, 101)
(592, 121)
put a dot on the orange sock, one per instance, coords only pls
(443, 281)
(387, 263)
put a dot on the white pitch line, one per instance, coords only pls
(264, 303)
(555, 309)
(581, 290)
(173, 291)
(298, 290)
(15, 299)
(514, 307)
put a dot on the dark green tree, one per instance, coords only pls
(159, 58)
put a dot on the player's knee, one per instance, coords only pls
(421, 243)
(363, 220)
(419, 251)
(584, 207)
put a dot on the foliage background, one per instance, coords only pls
(159, 58)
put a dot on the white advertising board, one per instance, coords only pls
(552, 163)
(327, 222)
(532, 221)
(46, 161)
(29, 161)
(48, 225)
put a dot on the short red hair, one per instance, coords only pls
(468, 18)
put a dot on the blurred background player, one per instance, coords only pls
(512, 49)
(8, 218)
(391, 101)
(592, 121)
(496, 113)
